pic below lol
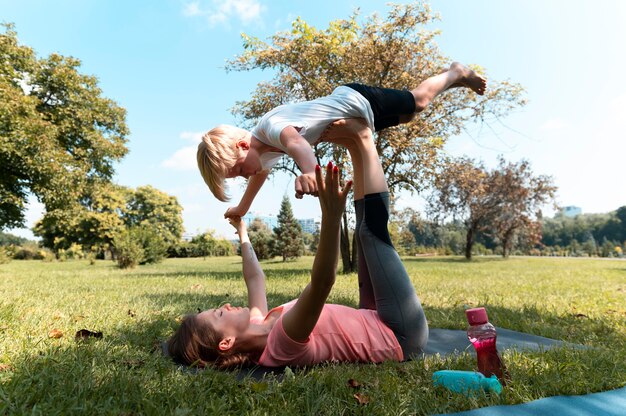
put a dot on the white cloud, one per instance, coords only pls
(223, 11)
(553, 125)
(183, 159)
(191, 136)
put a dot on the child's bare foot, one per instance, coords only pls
(468, 78)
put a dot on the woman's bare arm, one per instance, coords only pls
(252, 273)
(300, 320)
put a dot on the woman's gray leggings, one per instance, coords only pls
(384, 284)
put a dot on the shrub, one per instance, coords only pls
(128, 250)
(4, 256)
(154, 245)
(139, 245)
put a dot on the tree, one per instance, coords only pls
(288, 242)
(58, 134)
(103, 210)
(461, 191)
(503, 203)
(149, 206)
(520, 196)
(93, 221)
(397, 52)
(261, 239)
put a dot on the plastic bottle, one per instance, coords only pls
(466, 382)
(482, 335)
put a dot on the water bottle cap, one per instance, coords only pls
(476, 316)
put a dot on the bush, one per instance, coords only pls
(128, 250)
(154, 245)
(139, 245)
(4, 256)
(29, 252)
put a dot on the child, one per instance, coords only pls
(389, 324)
(228, 152)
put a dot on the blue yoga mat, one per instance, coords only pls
(608, 403)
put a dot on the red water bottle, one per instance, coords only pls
(482, 335)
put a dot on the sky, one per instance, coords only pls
(163, 61)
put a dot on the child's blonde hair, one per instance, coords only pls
(217, 153)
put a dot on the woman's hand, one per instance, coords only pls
(331, 194)
(240, 226)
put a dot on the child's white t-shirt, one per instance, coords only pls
(310, 118)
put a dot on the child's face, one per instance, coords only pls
(247, 164)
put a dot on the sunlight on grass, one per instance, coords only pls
(577, 300)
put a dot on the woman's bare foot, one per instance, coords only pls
(468, 78)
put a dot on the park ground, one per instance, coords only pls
(45, 370)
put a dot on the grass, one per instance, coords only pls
(577, 300)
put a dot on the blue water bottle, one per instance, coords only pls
(466, 382)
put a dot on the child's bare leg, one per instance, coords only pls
(456, 76)
(356, 136)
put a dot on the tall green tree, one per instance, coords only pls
(58, 134)
(93, 222)
(288, 243)
(148, 206)
(396, 51)
(262, 239)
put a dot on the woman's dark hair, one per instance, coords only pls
(197, 346)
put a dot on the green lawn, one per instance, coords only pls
(577, 300)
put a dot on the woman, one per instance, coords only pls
(390, 322)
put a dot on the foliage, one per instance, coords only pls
(151, 240)
(103, 211)
(7, 239)
(521, 196)
(149, 206)
(58, 134)
(126, 373)
(504, 203)
(262, 239)
(397, 51)
(288, 241)
(129, 250)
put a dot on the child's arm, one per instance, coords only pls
(302, 153)
(252, 273)
(300, 320)
(255, 182)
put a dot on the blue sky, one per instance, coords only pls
(164, 62)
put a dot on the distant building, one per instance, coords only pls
(571, 211)
(308, 225)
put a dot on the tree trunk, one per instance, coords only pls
(469, 243)
(347, 258)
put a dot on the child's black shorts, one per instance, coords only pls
(387, 104)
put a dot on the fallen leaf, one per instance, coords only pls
(259, 387)
(361, 398)
(85, 334)
(354, 384)
(5, 367)
(198, 286)
(55, 333)
(580, 315)
(78, 318)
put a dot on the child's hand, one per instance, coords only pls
(234, 212)
(306, 185)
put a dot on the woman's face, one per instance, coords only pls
(227, 320)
